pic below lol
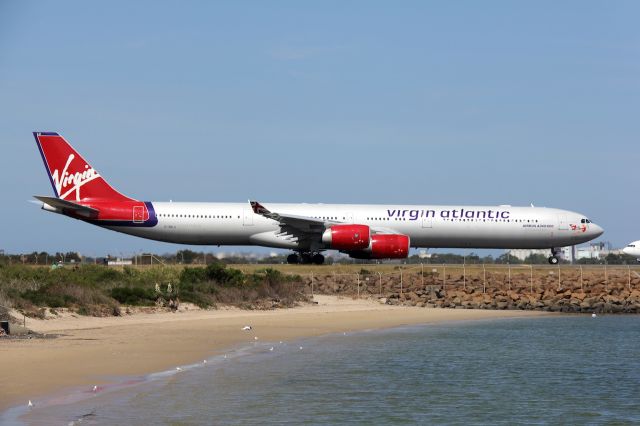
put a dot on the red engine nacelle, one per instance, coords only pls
(347, 237)
(384, 246)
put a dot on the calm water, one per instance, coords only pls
(561, 370)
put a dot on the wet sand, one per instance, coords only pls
(91, 350)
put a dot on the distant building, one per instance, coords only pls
(596, 250)
(119, 262)
(423, 254)
(522, 254)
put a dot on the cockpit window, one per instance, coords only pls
(631, 245)
(585, 221)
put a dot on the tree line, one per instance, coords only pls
(190, 257)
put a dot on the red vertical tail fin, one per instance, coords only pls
(72, 177)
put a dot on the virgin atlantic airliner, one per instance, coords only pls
(359, 230)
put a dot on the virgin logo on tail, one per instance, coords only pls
(62, 180)
(72, 177)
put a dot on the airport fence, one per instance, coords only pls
(372, 281)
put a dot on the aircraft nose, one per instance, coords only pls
(596, 230)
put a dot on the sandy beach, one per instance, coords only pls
(90, 350)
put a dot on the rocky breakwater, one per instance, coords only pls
(560, 300)
(591, 292)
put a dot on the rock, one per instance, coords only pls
(502, 305)
(586, 306)
(616, 309)
(580, 296)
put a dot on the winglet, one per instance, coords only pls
(259, 208)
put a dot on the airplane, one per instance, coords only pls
(361, 231)
(633, 249)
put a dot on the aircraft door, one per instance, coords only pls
(138, 214)
(562, 222)
(247, 217)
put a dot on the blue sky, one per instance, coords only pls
(419, 102)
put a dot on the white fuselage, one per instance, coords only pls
(427, 226)
(633, 249)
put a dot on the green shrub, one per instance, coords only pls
(43, 298)
(133, 296)
(193, 275)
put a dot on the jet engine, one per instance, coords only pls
(384, 246)
(347, 237)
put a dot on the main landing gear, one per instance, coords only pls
(305, 258)
(553, 259)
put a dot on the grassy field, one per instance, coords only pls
(394, 269)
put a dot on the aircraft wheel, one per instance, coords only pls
(305, 258)
(553, 260)
(318, 259)
(293, 259)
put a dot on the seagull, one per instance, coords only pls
(593, 315)
(178, 369)
(204, 362)
(246, 328)
(95, 388)
(30, 404)
(300, 347)
(225, 357)
(255, 338)
(271, 348)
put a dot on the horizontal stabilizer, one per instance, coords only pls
(58, 204)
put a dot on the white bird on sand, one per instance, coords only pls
(225, 357)
(255, 338)
(300, 347)
(246, 328)
(95, 388)
(204, 362)
(593, 315)
(271, 348)
(178, 369)
(30, 404)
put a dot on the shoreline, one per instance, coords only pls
(89, 350)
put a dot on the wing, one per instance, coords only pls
(302, 227)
